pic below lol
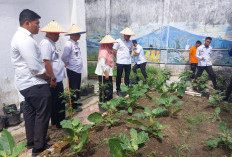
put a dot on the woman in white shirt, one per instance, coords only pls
(104, 69)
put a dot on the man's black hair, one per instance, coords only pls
(29, 15)
(134, 41)
(198, 42)
(208, 38)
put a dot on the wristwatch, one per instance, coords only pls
(54, 79)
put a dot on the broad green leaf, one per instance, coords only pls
(140, 115)
(160, 135)
(158, 111)
(83, 141)
(164, 96)
(217, 110)
(222, 126)
(130, 110)
(177, 111)
(19, 148)
(95, 117)
(160, 100)
(7, 142)
(125, 139)
(124, 88)
(212, 143)
(75, 121)
(120, 112)
(171, 99)
(178, 103)
(115, 148)
(133, 121)
(66, 124)
(134, 139)
(142, 137)
(86, 127)
(148, 96)
(147, 111)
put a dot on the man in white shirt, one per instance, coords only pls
(55, 68)
(139, 59)
(122, 51)
(73, 62)
(31, 80)
(203, 55)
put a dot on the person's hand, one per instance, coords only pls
(106, 76)
(65, 65)
(52, 84)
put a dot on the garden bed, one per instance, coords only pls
(186, 136)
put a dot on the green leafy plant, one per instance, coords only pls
(112, 112)
(171, 88)
(168, 103)
(124, 146)
(216, 98)
(77, 132)
(138, 90)
(166, 74)
(201, 82)
(224, 137)
(153, 127)
(215, 115)
(181, 87)
(8, 148)
(185, 75)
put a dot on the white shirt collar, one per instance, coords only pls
(52, 42)
(74, 42)
(25, 31)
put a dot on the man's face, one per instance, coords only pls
(134, 44)
(197, 45)
(54, 36)
(33, 26)
(127, 37)
(75, 37)
(207, 42)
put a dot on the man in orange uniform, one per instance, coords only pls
(192, 58)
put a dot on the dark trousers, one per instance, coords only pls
(107, 89)
(193, 67)
(229, 89)
(142, 67)
(37, 112)
(209, 70)
(74, 83)
(58, 108)
(120, 68)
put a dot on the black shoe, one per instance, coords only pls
(36, 152)
(225, 99)
(31, 145)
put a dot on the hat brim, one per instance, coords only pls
(52, 32)
(75, 33)
(128, 34)
(108, 43)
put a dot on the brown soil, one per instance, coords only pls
(186, 135)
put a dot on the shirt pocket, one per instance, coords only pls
(76, 51)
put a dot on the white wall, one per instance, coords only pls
(48, 10)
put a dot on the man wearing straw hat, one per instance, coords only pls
(122, 51)
(73, 62)
(104, 69)
(31, 80)
(55, 68)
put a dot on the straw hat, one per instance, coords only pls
(107, 40)
(127, 31)
(53, 27)
(74, 29)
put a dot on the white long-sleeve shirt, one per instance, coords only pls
(72, 56)
(204, 52)
(26, 59)
(102, 67)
